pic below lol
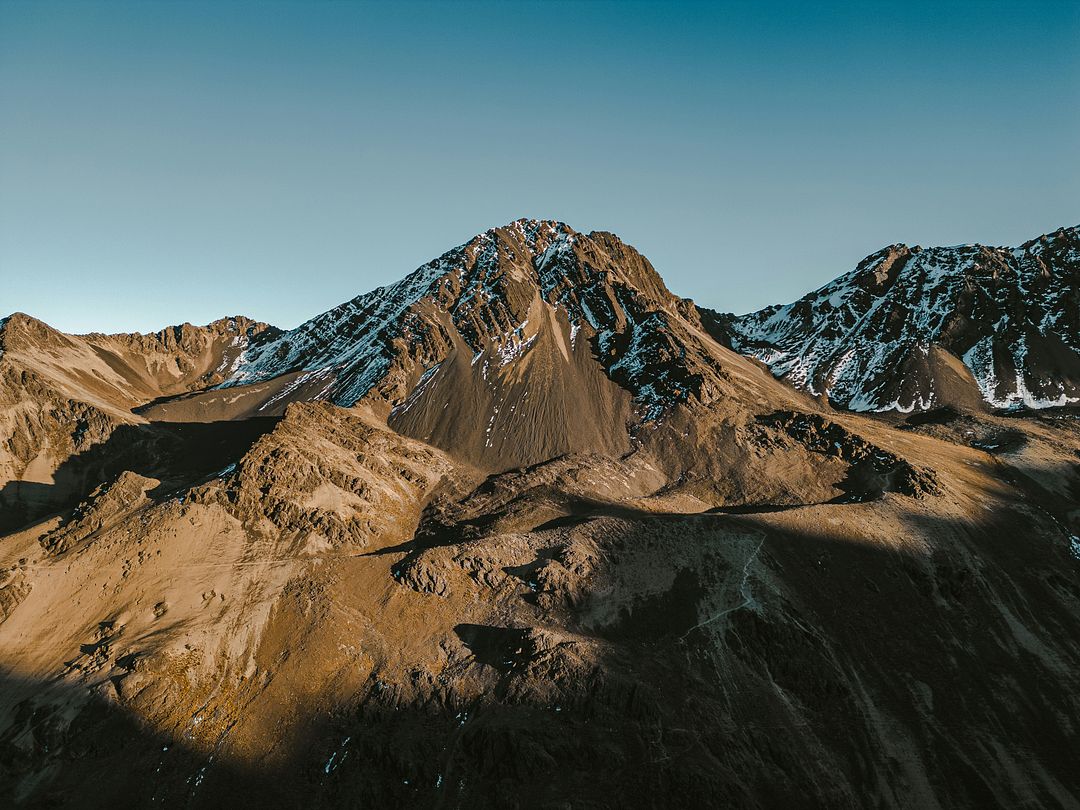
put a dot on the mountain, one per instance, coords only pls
(62, 396)
(524, 343)
(914, 329)
(520, 530)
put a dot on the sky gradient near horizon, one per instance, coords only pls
(168, 162)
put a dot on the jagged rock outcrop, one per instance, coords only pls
(325, 478)
(872, 470)
(107, 505)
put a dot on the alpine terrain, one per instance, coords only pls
(526, 529)
(913, 329)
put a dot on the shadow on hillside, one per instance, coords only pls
(845, 657)
(176, 453)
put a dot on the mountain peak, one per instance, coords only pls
(533, 309)
(914, 328)
(483, 291)
(20, 330)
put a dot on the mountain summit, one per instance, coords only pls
(526, 342)
(913, 328)
(493, 297)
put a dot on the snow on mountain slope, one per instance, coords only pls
(912, 329)
(478, 297)
(528, 342)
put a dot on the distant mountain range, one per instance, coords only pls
(526, 529)
(910, 329)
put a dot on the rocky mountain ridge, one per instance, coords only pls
(481, 295)
(519, 531)
(911, 329)
(525, 342)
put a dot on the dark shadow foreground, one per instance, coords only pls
(853, 677)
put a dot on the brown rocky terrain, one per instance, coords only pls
(520, 532)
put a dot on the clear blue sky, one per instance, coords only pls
(163, 162)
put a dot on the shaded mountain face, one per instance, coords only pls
(914, 329)
(522, 530)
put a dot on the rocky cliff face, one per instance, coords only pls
(913, 329)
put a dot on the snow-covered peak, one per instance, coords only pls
(880, 336)
(480, 294)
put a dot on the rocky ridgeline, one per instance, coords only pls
(480, 295)
(919, 328)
